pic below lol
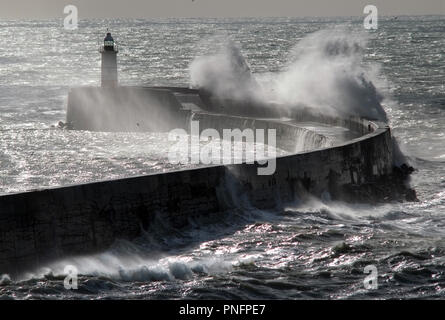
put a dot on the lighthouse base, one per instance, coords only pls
(124, 109)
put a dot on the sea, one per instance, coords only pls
(306, 250)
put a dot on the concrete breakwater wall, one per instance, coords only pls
(124, 109)
(40, 226)
(322, 171)
(290, 137)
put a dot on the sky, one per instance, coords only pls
(42, 9)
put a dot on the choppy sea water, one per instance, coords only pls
(308, 250)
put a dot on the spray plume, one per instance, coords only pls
(325, 72)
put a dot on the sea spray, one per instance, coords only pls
(225, 73)
(325, 73)
(5, 280)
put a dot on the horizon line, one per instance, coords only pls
(226, 17)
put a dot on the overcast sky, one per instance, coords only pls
(38, 9)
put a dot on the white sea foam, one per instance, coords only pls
(134, 267)
(5, 279)
(325, 72)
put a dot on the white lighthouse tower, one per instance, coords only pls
(109, 52)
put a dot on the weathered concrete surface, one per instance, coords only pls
(290, 136)
(124, 109)
(40, 226)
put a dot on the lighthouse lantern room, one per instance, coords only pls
(109, 52)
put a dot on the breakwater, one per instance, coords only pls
(44, 225)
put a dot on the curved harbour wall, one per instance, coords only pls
(39, 226)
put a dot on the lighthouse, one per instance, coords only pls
(109, 52)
